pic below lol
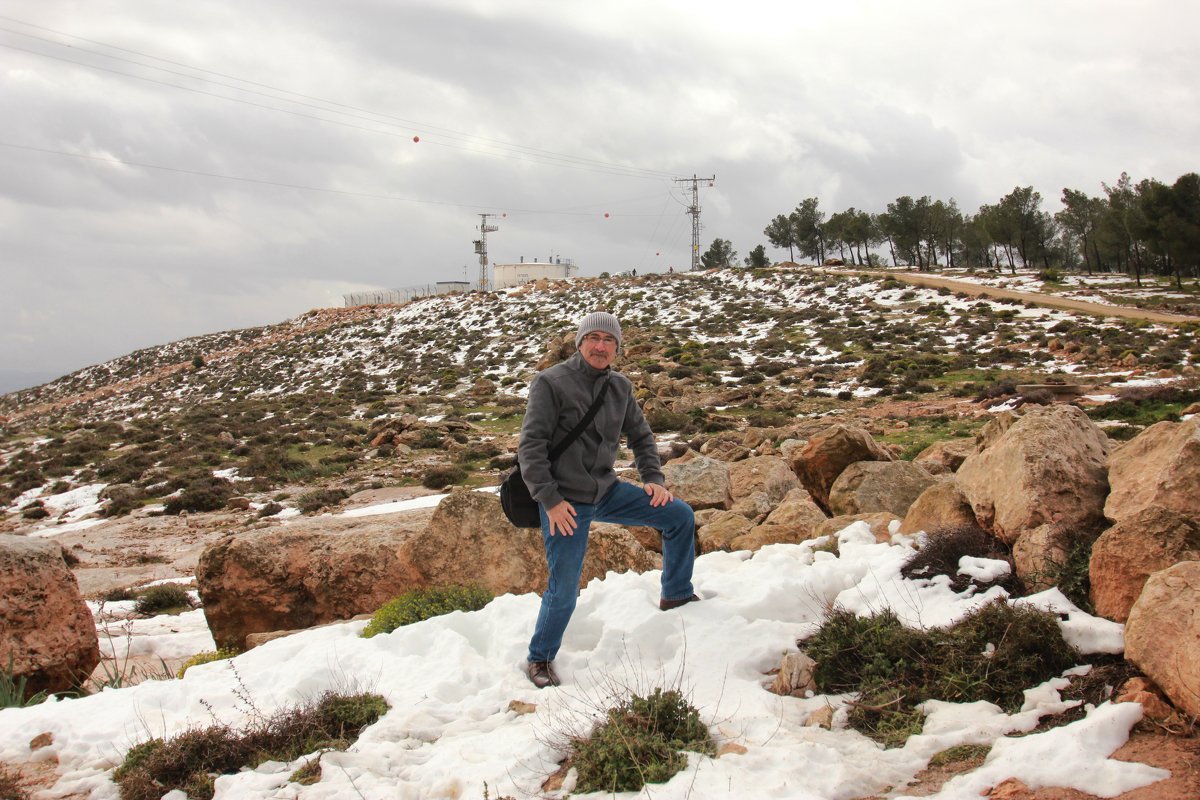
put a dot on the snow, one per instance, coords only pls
(450, 681)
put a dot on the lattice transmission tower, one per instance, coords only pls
(481, 249)
(694, 211)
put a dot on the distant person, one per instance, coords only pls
(581, 486)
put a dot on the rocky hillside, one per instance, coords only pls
(432, 391)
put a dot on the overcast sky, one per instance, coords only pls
(170, 169)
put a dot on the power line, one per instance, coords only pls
(307, 188)
(517, 150)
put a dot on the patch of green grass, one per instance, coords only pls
(163, 598)
(206, 657)
(190, 760)
(993, 654)
(421, 604)
(973, 753)
(640, 741)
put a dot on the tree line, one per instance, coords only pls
(1144, 228)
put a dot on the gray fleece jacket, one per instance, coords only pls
(558, 398)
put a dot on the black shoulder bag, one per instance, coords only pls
(519, 506)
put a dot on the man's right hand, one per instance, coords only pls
(562, 519)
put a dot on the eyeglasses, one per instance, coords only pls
(600, 338)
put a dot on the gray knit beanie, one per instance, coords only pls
(600, 321)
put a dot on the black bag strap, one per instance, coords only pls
(593, 409)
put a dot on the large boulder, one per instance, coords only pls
(793, 521)
(945, 455)
(1041, 553)
(333, 568)
(1048, 467)
(868, 486)
(701, 482)
(941, 505)
(1162, 636)
(769, 475)
(823, 457)
(45, 626)
(1158, 467)
(721, 530)
(1137, 546)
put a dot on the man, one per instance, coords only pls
(581, 486)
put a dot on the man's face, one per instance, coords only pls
(599, 349)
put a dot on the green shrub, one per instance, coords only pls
(994, 654)
(163, 598)
(439, 477)
(639, 742)
(208, 493)
(122, 499)
(190, 760)
(422, 604)
(318, 499)
(206, 657)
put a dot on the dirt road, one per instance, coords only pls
(1047, 300)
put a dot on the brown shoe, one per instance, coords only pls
(541, 674)
(667, 605)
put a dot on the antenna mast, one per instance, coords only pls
(481, 249)
(694, 211)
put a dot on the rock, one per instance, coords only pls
(45, 626)
(868, 486)
(825, 455)
(1047, 467)
(754, 507)
(1154, 706)
(1162, 635)
(701, 482)
(332, 568)
(945, 456)
(821, 718)
(769, 475)
(721, 530)
(880, 524)
(238, 503)
(1126, 554)
(732, 749)
(793, 521)
(649, 538)
(1040, 553)
(727, 450)
(483, 387)
(1158, 467)
(795, 677)
(941, 505)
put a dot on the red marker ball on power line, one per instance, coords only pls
(606, 215)
(416, 138)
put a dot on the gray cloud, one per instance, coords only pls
(855, 103)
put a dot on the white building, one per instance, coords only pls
(506, 275)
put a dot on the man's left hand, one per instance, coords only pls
(659, 494)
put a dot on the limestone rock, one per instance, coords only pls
(1039, 553)
(770, 475)
(825, 455)
(1139, 545)
(1158, 467)
(332, 568)
(945, 456)
(721, 530)
(793, 521)
(941, 505)
(753, 507)
(701, 482)
(795, 677)
(1162, 635)
(44, 623)
(868, 486)
(1047, 467)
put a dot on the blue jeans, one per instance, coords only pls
(625, 504)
